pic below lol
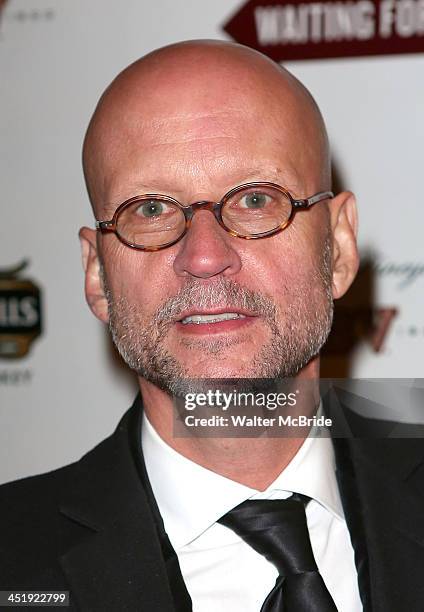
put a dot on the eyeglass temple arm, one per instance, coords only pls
(105, 226)
(318, 197)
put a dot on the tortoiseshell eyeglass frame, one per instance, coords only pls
(215, 208)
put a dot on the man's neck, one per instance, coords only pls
(254, 462)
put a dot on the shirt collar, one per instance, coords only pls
(191, 498)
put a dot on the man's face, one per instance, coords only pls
(279, 287)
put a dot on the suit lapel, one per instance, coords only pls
(181, 598)
(381, 484)
(117, 564)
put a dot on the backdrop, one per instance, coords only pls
(61, 387)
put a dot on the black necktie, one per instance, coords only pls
(277, 529)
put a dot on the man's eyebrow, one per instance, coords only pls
(132, 189)
(283, 176)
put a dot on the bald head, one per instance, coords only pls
(188, 92)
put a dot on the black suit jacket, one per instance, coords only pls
(93, 527)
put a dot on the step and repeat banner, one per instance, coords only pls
(62, 389)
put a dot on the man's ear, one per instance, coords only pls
(94, 290)
(344, 225)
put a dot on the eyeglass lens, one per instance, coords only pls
(248, 212)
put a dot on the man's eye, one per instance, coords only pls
(151, 208)
(254, 200)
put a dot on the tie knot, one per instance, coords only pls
(276, 529)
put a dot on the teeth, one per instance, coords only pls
(212, 318)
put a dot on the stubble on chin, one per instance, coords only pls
(295, 335)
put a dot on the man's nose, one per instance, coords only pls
(207, 249)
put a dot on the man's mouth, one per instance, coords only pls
(218, 320)
(202, 319)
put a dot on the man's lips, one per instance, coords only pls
(210, 315)
(216, 320)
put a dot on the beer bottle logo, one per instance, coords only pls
(20, 312)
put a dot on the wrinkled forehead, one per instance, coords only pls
(186, 102)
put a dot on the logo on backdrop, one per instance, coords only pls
(353, 324)
(305, 29)
(359, 318)
(20, 312)
(25, 15)
(406, 273)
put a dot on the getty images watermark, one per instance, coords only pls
(249, 409)
(241, 399)
(340, 408)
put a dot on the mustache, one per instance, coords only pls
(222, 292)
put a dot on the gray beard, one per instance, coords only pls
(296, 337)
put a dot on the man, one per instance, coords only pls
(153, 522)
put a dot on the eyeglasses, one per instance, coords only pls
(152, 222)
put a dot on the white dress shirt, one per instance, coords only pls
(223, 573)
